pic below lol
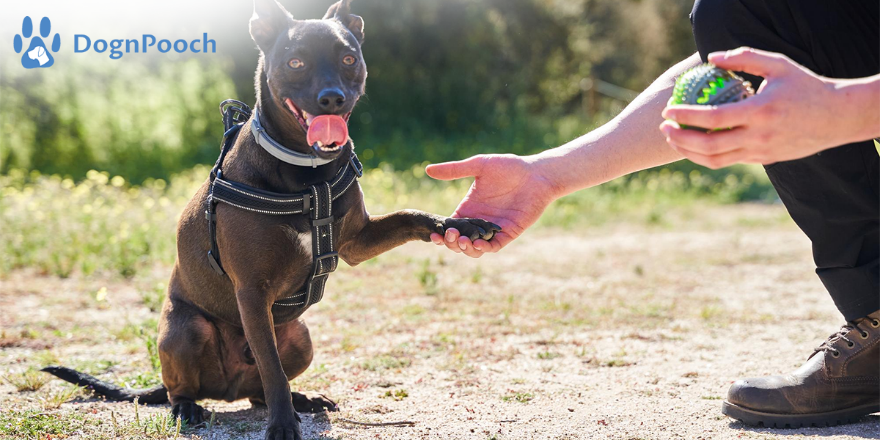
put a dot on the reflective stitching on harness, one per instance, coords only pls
(225, 184)
(288, 305)
(256, 210)
(330, 194)
(338, 195)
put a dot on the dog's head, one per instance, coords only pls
(312, 67)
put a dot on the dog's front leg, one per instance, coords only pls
(256, 318)
(371, 236)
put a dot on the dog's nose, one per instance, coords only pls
(331, 100)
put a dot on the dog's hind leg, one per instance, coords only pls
(188, 349)
(295, 348)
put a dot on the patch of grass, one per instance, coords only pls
(477, 276)
(45, 357)
(55, 399)
(93, 367)
(427, 278)
(386, 362)
(710, 313)
(153, 297)
(514, 396)
(162, 425)
(397, 395)
(30, 380)
(711, 397)
(35, 424)
(141, 380)
(148, 334)
(548, 355)
(60, 226)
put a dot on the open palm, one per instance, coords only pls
(506, 191)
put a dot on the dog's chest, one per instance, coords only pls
(300, 240)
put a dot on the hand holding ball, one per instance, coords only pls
(709, 85)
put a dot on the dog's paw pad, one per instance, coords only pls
(472, 228)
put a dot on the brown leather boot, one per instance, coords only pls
(839, 384)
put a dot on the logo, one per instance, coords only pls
(37, 54)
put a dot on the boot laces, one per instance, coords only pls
(841, 335)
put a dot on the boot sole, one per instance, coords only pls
(770, 420)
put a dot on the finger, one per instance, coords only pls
(456, 170)
(754, 61)
(467, 248)
(708, 116)
(473, 252)
(714, 161)
(711, 143)
(450, 239)
(484, 246)
(495, 244)
(436, 238)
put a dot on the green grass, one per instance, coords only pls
(30, 380)
(386, 362)
(518, 397)
(36, 424)
(103, 224)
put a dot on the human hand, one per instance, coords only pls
(508, 190)
(794, 114)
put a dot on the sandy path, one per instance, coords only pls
(625, 332)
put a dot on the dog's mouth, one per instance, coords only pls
(327, 134)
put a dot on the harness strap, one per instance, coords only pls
(316, 202)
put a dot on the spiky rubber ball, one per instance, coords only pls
(707, 84)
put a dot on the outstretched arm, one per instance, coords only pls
(513, 191)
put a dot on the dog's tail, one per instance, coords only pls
(157, 395)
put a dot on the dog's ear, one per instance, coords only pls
(269, 20)
(341, 11)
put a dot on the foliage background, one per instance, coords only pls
(98, 157)
(448, 78)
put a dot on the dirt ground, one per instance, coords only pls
(626, 331)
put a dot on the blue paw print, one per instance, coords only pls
(36, 55)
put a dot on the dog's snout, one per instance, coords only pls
(331, 100)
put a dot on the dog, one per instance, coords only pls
(225, 333)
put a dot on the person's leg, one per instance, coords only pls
(834, 197)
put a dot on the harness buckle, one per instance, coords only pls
(317, 268)
(323, 221)
(212, 261)
(357, 165)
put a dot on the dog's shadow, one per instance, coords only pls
(866, 427)
(248, 422)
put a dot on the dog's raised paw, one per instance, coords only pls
(472, 228)
(317, 404)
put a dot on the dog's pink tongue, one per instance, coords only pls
(329, 130)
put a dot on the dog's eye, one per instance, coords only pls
(296, 64)
(349, 60)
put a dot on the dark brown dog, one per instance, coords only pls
(219, 336)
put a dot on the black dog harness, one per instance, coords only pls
(316, 202)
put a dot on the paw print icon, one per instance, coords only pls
(37, 54)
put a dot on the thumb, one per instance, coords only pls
(456, 170)
(754, 61)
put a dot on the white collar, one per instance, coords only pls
(281, 152)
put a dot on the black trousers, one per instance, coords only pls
(834, 196)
